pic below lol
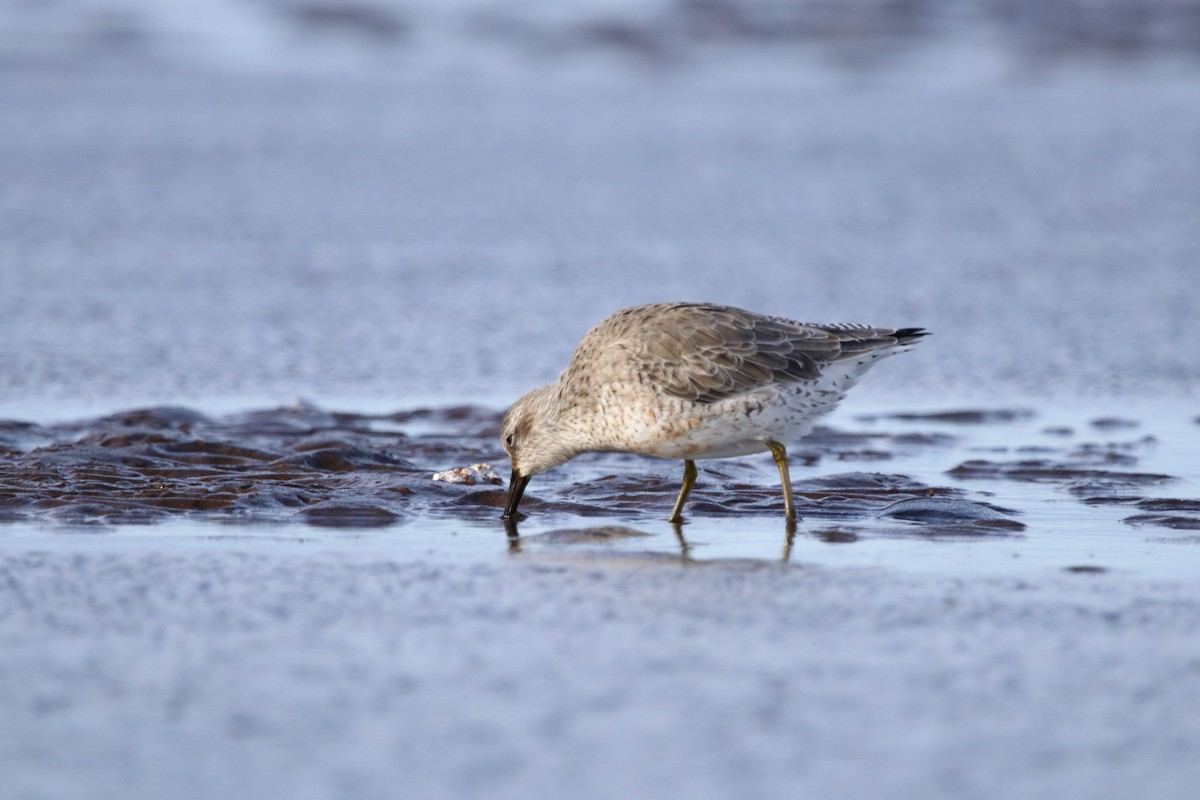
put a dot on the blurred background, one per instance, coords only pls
(406, 33)
(385, 203)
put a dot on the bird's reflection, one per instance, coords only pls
(600, 533)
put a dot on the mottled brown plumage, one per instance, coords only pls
(691, 381)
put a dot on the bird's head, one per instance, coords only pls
(535, 440)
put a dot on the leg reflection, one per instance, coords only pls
(514, 537)
(789, 536)
(685, 549)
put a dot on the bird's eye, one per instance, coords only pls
(508, 440)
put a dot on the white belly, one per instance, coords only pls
(735, 427)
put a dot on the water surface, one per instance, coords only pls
(969, 490)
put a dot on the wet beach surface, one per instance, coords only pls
(286, 599)
(1108, 489)
(981, 601)
(407, 213)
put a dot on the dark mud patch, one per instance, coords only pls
(1059, 430)
(325, 468)
(827, 444)
(1179, 522)
(1163, 512)
(966, 416)
(854, 495)
(1170, 505)
(955, 515)
(1114, 423)
(1079, 480)
(335, 469)
(1096, 474)
(885, 504)
(1092, 472)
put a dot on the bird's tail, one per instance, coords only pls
(859, 340)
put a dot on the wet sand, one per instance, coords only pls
(305, 464)
(328, 668)
(285, 600)
(382, 241)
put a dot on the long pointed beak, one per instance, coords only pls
(516, 488)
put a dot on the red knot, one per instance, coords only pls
(691, 381)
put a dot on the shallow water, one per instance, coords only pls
(194, 297)
(1001, 491)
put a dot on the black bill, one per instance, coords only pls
(516, 488)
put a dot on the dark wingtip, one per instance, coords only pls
(907, 335)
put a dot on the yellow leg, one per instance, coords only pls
(779, 452)
(689, 480)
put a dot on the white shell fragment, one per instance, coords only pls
(476, 473)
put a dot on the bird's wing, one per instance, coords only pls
(707, 353)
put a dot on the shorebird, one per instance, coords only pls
(691, 381)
